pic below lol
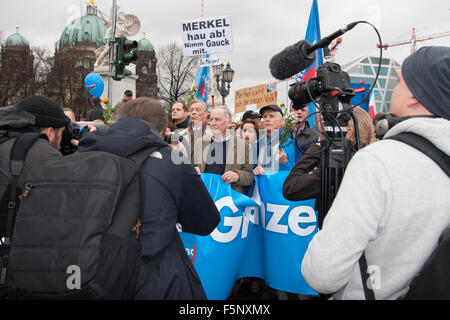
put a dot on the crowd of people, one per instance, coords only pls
(392, 204)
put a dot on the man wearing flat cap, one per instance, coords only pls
(33, 114)
(393, 202)
(272, 152)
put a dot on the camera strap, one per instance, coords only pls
(19, 151)
(426, 147)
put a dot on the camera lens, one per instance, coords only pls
(299, 95)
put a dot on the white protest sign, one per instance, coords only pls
(211, 61)
(207, 35)
(251, 107)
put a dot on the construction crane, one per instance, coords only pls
(414, 40)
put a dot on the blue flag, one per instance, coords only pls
(201, 82)
(312, 36)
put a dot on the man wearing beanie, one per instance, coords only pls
(393, 202)
(35, 114)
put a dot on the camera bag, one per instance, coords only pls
(433, 280)
(76, 232)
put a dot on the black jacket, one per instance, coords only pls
(305, 179)
(184, 124)
(96, 113)
(174, 194)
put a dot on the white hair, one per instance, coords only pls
(197, 101)
(225, 110)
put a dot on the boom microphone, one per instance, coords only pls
(325, 42)
(291, 60)
(301, 55)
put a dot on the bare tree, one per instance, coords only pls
(43, 64)
(175, 73)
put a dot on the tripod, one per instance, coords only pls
(333, 162)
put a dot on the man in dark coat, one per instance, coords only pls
(96, 113)
(180, 115)
(174, 194)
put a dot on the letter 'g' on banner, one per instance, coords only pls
(219, 255)
(265, 236)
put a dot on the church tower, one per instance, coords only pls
(16, 70)
(147, 84)
(75, 58)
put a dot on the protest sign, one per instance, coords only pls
(261, 95)
(207, 35)
(210, 61)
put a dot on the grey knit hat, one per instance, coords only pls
(427, 75)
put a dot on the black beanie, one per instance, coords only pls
(47, 113)
(427, 75)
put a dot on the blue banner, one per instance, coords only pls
(361, 91)
(265, 236)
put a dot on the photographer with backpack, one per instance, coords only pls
(33, 114)
(43, 121)
(393, 203)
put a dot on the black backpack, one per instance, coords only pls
(75, 234)
(433, 280)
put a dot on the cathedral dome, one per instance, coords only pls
(145, 45)
(16, 40)
(89, 29)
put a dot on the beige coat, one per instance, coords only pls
(237, 160)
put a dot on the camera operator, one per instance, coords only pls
(37, 114)
(393, 202)
(33, 114)
(304, 180)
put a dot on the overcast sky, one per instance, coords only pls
(260, 28)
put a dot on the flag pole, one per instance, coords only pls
(212, 88)
(112, 41)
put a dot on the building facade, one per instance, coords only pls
(74, 58)
(364, 70)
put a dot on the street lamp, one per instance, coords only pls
(223, 78)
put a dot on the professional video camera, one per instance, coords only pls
(71, 131)
(331, 86)
(331, 92)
